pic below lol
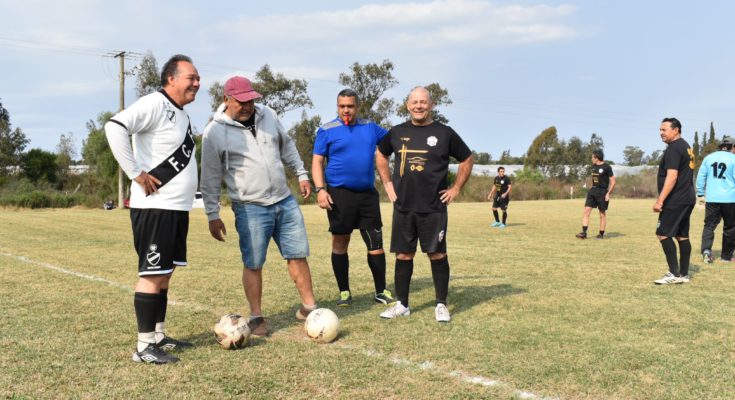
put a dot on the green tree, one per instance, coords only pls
(97, 154)
(66, 153)
(280, 93)
(39, 164)
(654, 158)
(371, 81)
(304, 134)
(633, 155)
(576, 159)
(545, 153)
(507, 159)
(148, 78)
(216, 94)
(695, 145)
(711, 132)
(439, 96)
(481, 158)
(12, 143)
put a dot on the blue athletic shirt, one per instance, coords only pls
(350, 152)
(716, 177)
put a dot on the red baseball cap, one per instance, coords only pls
(241, 89)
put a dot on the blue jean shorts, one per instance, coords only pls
(281, 221)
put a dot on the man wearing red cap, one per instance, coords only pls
(246, 146)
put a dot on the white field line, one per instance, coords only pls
(425, 365)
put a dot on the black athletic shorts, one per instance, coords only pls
(596, 199)
(500, 202)
(159, 237)
(430, 229)
(674, 222)
(353, 210)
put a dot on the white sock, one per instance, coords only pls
(160, 329)
(144, 339)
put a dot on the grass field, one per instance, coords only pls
(536, 314)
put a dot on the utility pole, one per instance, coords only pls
(120, 188)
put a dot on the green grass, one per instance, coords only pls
(533, 308)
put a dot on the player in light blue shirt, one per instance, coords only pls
(716, 181)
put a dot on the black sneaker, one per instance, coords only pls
(600, 236)
(154, 355)
(258, 327)
(169, 343)
(581, 235)
(384, 297)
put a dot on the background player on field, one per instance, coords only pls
(348, 143)
(164, 180)
(500, 195)
(675, 201)
(603, 183)
(716, 181)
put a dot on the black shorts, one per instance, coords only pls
(596, 199)
(674, 222)
(500, 202)
(353, 210)
(430, 229)
(159, 237)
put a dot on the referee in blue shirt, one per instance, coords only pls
(716, 181)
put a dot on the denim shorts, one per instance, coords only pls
(281, 221)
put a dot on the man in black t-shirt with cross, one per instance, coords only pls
(603, 183)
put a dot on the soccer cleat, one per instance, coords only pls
(726, 260)
(600, 236)
(502, 225)
(684, 279)
(442, 313)
(302, 313)
(169, 343)
(581, 235)
(385, 297)
(667, 279)
(153, 354)
(395, 311)
(495, 224)
(707, 257)
(258, 326)
(345, 299)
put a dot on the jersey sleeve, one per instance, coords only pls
(385, 146)
(320, 143)
(610, 171)
(142, 115)
(672, 159)
(457, 147)
(509, 180)
(380, 132)
(701, 178)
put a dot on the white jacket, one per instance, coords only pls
(251, 166)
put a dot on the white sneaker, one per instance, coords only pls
(442, 313)
(395, 311)
(684, 279)
(667, 279)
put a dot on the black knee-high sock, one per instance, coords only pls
(376, 262)
(341, 268)
(440, 274)
(404, 271)
(161, 315)
(495, 214)
(670, 252)
(685, 251)
(146, 310)
(505, 216)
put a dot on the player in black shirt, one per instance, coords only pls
(603, 183)
(675, 201)
(500, 195)
(420, 195)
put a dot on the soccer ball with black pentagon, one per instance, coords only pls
(232, 331)
(322, 325)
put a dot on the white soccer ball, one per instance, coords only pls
(232, 331)
(322, 325)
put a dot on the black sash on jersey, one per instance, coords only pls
(176, 162)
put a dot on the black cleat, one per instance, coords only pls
(154, 355)
(169, 343)
(581, 235)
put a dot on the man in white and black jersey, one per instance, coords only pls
(163, 171)
(603, 183)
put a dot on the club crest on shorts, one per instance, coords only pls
(441, 236)
(432, 141)
(153, 257)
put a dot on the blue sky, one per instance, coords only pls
(512, 68)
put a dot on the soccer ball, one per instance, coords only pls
(232, 331)
(322, 325)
